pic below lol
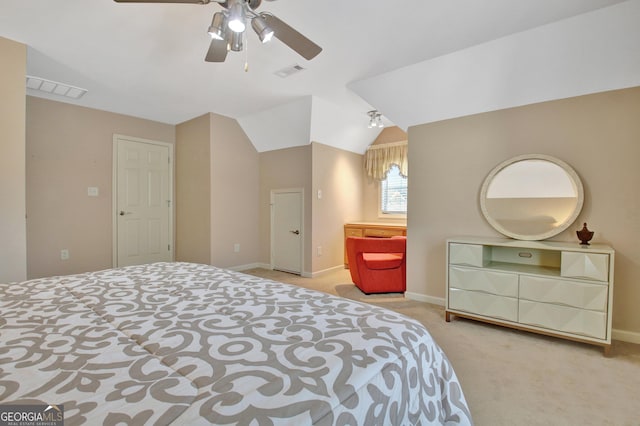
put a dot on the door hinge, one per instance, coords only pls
(168, 203)
(168, 247)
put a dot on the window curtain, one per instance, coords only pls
(379, 158)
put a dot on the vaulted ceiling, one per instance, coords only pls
(415, 60)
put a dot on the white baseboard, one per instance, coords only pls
(625, 336)
(424, 298)
(241, 268)
(322, 272)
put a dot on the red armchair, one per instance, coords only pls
(378, 265)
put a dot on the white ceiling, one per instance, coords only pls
(589, 53)
(147, 60)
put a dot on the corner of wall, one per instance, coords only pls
(13, 227)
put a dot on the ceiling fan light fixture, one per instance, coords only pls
(217, 28)
(228, 28)
(236, 42)
(264, 31)
(236, 17)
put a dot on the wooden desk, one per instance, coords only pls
(371, 229)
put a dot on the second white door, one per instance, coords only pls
(286, 230)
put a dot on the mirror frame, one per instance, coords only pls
(551, 233)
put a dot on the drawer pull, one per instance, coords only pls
(525, 254)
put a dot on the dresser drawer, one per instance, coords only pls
(467, 254)
(592, 266)
(489, 305)
(498, 283)
(353, 232)
(382, 233)
(563, 318)
(564, 292)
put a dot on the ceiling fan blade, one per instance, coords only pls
(291, 37)
(217, 51)
(166, 1)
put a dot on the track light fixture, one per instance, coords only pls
(375, 119)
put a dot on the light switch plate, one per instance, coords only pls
(92, 191)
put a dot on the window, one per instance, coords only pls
(393, 193)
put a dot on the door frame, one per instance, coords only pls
(271, 218)
(114, 193)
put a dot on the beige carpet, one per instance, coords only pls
(513, 377)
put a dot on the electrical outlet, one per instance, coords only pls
(319, 251)
(64, 254)
(236, 248)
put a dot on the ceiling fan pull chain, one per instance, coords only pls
(246, 52)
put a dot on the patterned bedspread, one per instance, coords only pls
(192, 344)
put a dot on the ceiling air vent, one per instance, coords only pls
(54, 88)
(286, 72)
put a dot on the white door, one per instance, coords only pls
(286, 230)
(143, 223)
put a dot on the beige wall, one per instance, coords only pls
(13, 251)
(285, 169)
(235, 195)
(217, 171)
(391, 134)
(338, 174)
(598, 135)
(193, 190)
(70, 148)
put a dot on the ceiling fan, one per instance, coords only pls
(228, 27)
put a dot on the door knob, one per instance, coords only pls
(295, 232)
(122, 212)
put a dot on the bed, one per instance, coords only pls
(189, 344)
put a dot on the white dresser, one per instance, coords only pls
(554, 288)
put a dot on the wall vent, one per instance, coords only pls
(54, 88)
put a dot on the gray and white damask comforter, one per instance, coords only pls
(187, 344)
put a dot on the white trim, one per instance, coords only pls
(389, 216)
(424, 298)
(240, 268)
(625, 336)
(322, 272)
(114, 193)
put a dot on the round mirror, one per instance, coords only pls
(531, 197)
